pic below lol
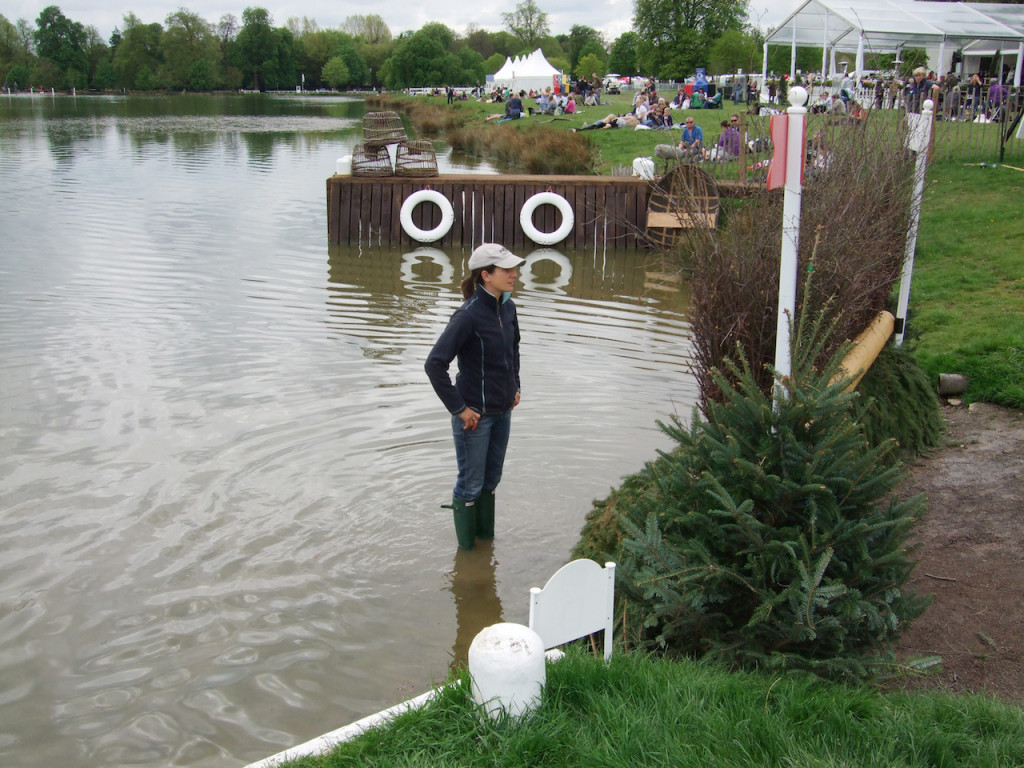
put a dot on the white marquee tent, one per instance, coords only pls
(526, 72)
(887, 26)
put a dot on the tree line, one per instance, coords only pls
(669, 39)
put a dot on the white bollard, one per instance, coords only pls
(506, 663)
(343, 167)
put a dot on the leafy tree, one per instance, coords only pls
(335, 73)
(375, 55)
(736, 49)
(582, 40)
(597, 50)
(527, 22)
(188, 41)
(444, 35)
(13, 50)
(254, 46)
(138, 51)
(97, 52)
(200, 78)
(494, 63)
(227, 31)
(105, 77)
(318, 46)
(551, 48)
(62, 41)
(471, 67)
(145, 80)
(420, 60)
(46, 74)
(623, 56)
(358, 71)
(588, 65)
(282, 70)
(19, 77)
(371, 29)
(480, 41)
(677, 33)
(779, 59)
(227, 28)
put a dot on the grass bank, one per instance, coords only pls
(685, 714)
(967, 300)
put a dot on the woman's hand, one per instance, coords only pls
(517, 400)
(470, 418)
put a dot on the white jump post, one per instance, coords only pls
(917, 140)
(790, 233)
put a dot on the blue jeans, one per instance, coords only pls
(480, 454)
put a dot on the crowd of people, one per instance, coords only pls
(970, 98)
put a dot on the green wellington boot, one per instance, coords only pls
(485, 515)
(464, 513)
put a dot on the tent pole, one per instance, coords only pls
(860, 58)
(764, 74)
(1020, 64)
(824, 49)
(792, 53)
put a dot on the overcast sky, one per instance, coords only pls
(613, 17)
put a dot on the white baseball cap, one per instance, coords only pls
(492, 254)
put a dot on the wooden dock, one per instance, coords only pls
(609, 211)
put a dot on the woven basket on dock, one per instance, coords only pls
(415, 158)
(382, 128)
(371, 161)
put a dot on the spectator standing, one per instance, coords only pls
(997, 95)
(919, 89)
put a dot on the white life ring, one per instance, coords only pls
(546, 198)
(427, 196)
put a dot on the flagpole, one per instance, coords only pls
(790, 233)
(919, 136)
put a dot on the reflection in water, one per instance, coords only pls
(474, 587)
(535, 276)
(427, 266)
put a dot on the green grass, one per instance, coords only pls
(967, 298)
(637, 712)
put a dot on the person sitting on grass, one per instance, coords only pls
(659, 119)
(692, 142)
(514, 106)
(728, 147)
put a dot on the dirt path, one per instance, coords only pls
(971, 556)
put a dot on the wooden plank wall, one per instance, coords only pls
(608, 210)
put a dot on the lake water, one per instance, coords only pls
(221, 463)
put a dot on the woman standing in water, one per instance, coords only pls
(483, 335)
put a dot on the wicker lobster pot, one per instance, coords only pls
(382, 128)
(415, 158)
(371, 161)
